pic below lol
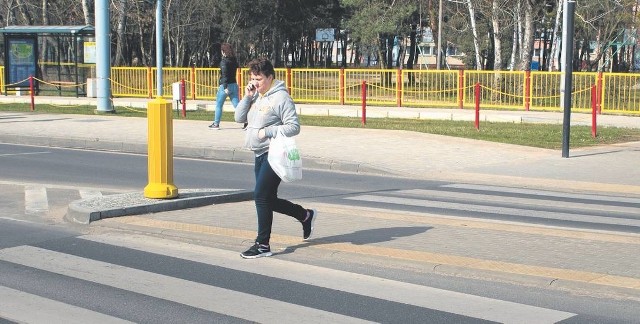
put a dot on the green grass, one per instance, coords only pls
(535, 135)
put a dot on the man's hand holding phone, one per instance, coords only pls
(251, 89)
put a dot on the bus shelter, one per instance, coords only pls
(59, 58)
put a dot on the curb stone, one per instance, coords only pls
(85, 211)
(229, 154)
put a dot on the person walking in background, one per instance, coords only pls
(228, 84)
(268, 109)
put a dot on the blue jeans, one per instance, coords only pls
(267, 201)
(221, 96)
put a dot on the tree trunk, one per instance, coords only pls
(87, 11)
(516, 33)
(412, 46)
(24, 13)
(527, 42)
(343, 50)
(497, 46)
(382, 58)
(474, 30)
(554, 43)
(497, 37)
(520, 29)
(120, 30)
(143, 60)
(433, 24)
(45, 22)
(170, 35)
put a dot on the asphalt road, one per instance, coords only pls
(109, 275)
(117, 172)
(52, 274)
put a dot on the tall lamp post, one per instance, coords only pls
(439, 54)
(566, 81)
(103, 56)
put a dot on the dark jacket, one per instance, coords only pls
(228, 67)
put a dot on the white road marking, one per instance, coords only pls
(497, 210)
(57, 186)
(480, 197)
(215, 299)
(18, 154)
(412, 294)
(16, 220)
(544, 193)
(35, 199)
(21, 307)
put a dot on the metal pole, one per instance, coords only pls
(566, 81)
(159, 53)
(103, 56)
(439, 54)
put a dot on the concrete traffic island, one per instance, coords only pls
(85, 211)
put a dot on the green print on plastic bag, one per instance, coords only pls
(293, 155)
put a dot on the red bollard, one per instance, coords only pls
(183, 98)
(477, 122)
(364, 103)
(594, 110)
(31, 92)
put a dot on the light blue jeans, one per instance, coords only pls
(221, 96)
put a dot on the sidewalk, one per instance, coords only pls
(409, 154)
(533, 254)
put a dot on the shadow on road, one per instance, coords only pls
(363, 237)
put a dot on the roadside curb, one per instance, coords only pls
(84, 211)
(207, 153)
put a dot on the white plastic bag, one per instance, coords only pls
(284, 158)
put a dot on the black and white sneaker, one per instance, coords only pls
(307, 226)
(214, 126)
(256, 251)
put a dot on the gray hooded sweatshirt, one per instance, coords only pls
(272, 111)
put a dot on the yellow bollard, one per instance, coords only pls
(160, 150)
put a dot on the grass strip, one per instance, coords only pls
(528, 134)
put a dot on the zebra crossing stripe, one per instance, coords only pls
(431, 194)
(536, 192)
(411, 294)
(215, 299)
(35, 199)
(497, 210)
(18, 306)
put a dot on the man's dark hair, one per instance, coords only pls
(261, 65)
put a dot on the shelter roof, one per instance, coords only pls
(79, 30)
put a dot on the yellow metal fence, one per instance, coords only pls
(615, 92)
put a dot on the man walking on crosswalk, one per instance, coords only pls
(269, 110)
